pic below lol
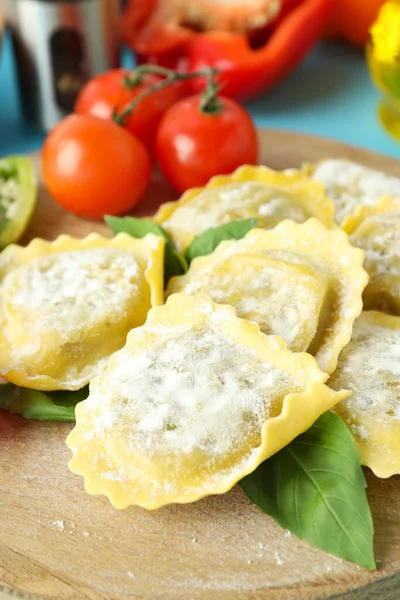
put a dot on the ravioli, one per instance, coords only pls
(284, 298)
(301, 281)
(195, 401)
(369, 367)
(67, 305)
(379, 236)
(351, 185)
(257, 192)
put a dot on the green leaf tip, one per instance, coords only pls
(137, 228)
(174, 262)
(42, 406)
(209, 240)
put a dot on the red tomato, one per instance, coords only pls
(94, 167)
(192, 146)
(107, 92)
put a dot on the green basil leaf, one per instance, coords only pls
(174, 262)
(137, 228)
(207, 242)
(315, 487)
(44, 406)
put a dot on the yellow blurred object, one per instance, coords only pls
(383, 55)
(385, 34)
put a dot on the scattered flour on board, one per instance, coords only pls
(288, 534)
(58, 524)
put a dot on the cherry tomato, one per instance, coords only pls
(192, 145)
(107, 92)
(94, 167)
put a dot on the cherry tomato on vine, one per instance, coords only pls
(94, 167)
(106, 92)
(197, 140)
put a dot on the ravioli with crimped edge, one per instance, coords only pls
(369, 367)
(352, 186)
(66, 305)
(301, 281)
(195, 401)
(249, 192)
(378, 235)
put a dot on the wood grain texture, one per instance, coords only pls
(58, 542)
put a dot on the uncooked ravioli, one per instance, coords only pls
(352, 186)
(284, 298)
(369, 366)
(194, 402)
(66, 305)
(379, 236)
(250, 192)
(302, 281)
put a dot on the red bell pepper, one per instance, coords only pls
(245, 71)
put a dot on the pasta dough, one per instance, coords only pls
(256, 192)
(369, 367)
(379, 236)
(194, 402)
(351, 186)
(66, 305)
(284, 298)
(301, 281)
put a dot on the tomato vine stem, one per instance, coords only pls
(209, 102)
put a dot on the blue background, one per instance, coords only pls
(330, 94)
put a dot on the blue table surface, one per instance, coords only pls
(330, 94)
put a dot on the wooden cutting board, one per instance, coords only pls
(57, 542)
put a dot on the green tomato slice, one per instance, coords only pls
(18, 191)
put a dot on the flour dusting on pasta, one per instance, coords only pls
(195, 393)
(349, 184)
(369, 367)
(184, 409)
(284, 299)
(65, 290)
(379, 237)
(235, 201)
(67, 305)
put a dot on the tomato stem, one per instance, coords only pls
(136, 77)
(209, 104)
